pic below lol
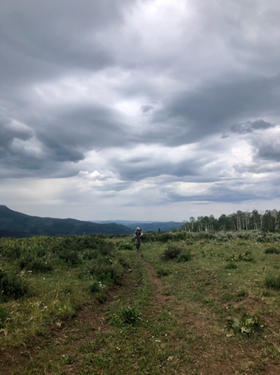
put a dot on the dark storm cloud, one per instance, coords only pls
(151, 168)
(188, 116)
(10, 131)
(249, 126)
(268, 150)
(234, 192)
(49, 37)
(63, 136)
(83, 128)
(190, 169)
(42, 42)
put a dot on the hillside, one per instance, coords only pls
(149, 226)
(16, 224)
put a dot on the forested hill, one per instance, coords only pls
(16, 224)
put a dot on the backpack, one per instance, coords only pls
(138, 233)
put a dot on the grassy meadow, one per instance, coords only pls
(186, 304)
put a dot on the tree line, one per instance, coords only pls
(268, 221)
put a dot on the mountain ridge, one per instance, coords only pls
(17, 224)
(149, 226)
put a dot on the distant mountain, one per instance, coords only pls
(16, 224)
(149, 226)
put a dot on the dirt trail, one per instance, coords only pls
(157, 285)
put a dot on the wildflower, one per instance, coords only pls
(118, 348)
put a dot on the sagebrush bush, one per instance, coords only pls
(172, 252)
(125, 246)
(12, 285)
(165, 237)
(163, 272)
(272, 282)
(70, 257)
(35, 265)
(272, 250)
(89, 254)
(184, 256)
(106, 247)
(12, 251)
(221, 237)
(107, 271)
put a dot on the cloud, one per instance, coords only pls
(186, 116)
(106, 102)
(267, 146)
(249, 126)
(146, 108)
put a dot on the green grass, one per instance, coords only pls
(100, 311)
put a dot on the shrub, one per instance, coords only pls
(12, 251)
(184, 256)
(70, 257)
(89, 254)
(272, 250)
(4, 314)
(272, 282)
(95, 287)
(106, 247)
(163, 272)
(35, 265)
(110, 273)
(246, 257)
(230, 266)
(125, 246)
(123, 262)
(12, 285)
(127, 316)
(171, 252)
(221, 237)
(165, 237)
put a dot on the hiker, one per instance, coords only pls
(138, 237)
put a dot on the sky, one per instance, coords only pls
(154, 110)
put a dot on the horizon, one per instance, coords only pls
(131, 221)
(140, 109)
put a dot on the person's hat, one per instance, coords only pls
(138, 228)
